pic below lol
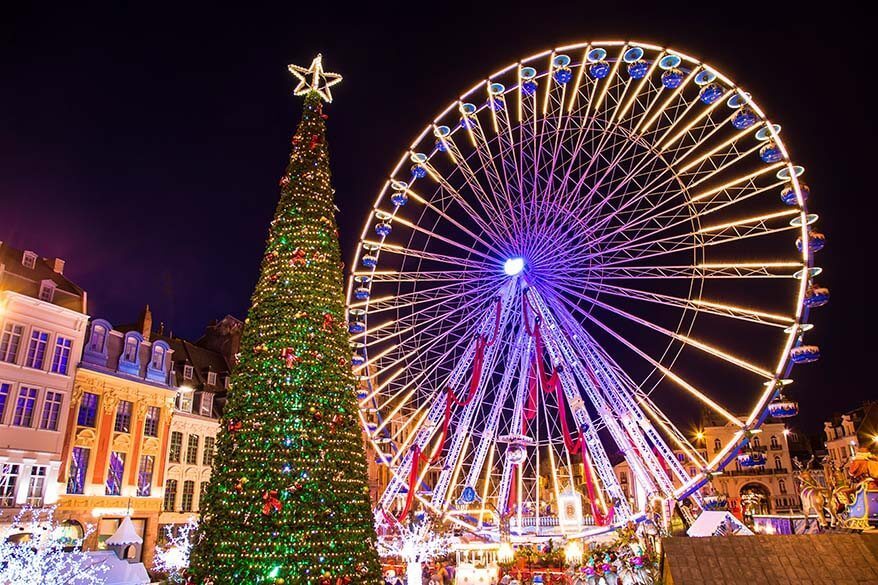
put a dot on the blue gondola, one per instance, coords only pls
(710, 93)
(672, 78)
(770, 153)
(399, 199)
(361, 294)
(356, 327)
(529, 87)
(362, 394)
(418, 172)
(781, 407)
(369, 261)
(358, 359)
(816, 242)
(495, 104)
(744, 118)
(383, 229)
(805, 354)
(440, 146)
(563, 75)
(788, 195)
(599, 70)
(638, 69)
(816, 296)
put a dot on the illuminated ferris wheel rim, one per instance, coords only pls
(514, 265)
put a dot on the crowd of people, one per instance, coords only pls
(437, 573)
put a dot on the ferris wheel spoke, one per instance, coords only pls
(453, 290)
(382, 276)
(687, 340)
(424, 255)
(645, 82)
(664, 370)
(679, 214)
(650, 117)
(484, 223)
(706, 270)
(489, 168)
(679, 439)
(695, 304)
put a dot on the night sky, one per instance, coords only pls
(144, 146)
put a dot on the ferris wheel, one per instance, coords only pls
(581, 254)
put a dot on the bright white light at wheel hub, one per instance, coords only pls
(513, 266)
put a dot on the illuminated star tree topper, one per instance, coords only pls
(314, 78)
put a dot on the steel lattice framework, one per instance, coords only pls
(572, 250)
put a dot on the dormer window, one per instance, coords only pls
(184, 399)
(227, 382)
(206, 405)
(211, 378)
(47, 291)
(187, 372)
(158, 358)
(131, 345)
(29, 259)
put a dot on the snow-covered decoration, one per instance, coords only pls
(718, 523)
(32, 553)
(173, 558)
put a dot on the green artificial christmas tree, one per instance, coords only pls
(288, 500)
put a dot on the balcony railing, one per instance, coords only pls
(760, 471)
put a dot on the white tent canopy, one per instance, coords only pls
(126, 534)
(718, 523)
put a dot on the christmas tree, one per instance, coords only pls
(288, 500)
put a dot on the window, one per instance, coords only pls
(211, 378)
(176, 448)
(144, 475)
(78, 469)
(131, 345)
(158, 357)
(151, 424)
(51, 411)
(227, 382)
(36, 349)
(184, 399)
(206, 406)
(777, 464)
(774, 443)
(717, 445)
(116, 472)
(782, 486)
(5, 389)
(35, 485)
(123, 417)
(24, 408)
(187, 372)
(98, 337)
(170, 495)
(47, 291)
(61, 357)
(209, 446)
(29, 259)
(10, 342)
(188, 495)
(8, 481)
(192, 450)
(756, 442)
(88, 410)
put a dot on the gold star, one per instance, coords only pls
(314, 78)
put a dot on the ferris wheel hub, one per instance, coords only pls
(513, 266)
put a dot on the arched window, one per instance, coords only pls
(777, 463)
(132, 344)
(756, 442)
(717, 444)
(158, 357)
(98, 338)
(774, 443)
(782, 486)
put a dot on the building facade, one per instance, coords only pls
(202, 371)
(119, 424)
(766, 489)
(42, 325)
(846, 433)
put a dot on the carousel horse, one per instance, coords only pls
(815, 498)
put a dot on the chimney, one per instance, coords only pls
(58, 265)
(146, 323)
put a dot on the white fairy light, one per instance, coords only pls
(35, 553)
(173, 558)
